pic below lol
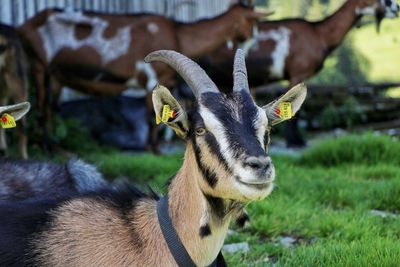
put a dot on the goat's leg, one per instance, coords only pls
(20, 94)
(22, 139)
(153, 130)
(54, 91)
(293, 136)
(3, 141)
(39, 76)
(50, 90)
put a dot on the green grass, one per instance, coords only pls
(364, 149)
(141, 168)
(368, 251)
(323, 199)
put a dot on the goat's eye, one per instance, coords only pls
(200, 131)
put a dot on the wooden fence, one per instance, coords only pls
(378, 111)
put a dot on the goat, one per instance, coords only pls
(74, 49)
(37, 179)
(13, 82)
(295, 49)
(226, 165)
(33, 179)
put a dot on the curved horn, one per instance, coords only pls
(190, 71)
(240, 73)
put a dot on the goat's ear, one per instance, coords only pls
(169, 111)
(287, 105)
(17, 110)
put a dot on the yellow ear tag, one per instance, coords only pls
(7, 121)
(167, 114)
(284, 110)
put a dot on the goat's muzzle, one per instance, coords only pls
(258, 172)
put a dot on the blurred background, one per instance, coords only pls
(336, 201)
(356, 90)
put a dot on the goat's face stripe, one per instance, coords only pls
(235, 123)
(209, 175)
(215, 149)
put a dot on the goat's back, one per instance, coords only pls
(74, 228)
(20, 222)
(31, 179)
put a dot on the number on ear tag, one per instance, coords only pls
(166, 114)
(7, 121)
(284, 110)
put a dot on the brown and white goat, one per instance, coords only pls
(102, 54)
(226, 165)
(295, 49)
(13, 82)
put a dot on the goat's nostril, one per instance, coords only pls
(258, 163)
(255, 165)
(268, 164)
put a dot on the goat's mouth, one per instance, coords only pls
(255, 184)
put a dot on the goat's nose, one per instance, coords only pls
(258, 163)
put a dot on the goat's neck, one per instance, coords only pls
(190, 210)
(334, 28)
(198, 39)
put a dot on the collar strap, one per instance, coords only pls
(174, 243)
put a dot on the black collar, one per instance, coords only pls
(174, 243)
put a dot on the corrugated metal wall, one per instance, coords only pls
(17, 11)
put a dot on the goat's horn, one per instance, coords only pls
(240, 73)
(190, 71)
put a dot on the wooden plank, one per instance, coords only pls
(378, 125)
(319, 89)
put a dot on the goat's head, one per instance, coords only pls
(387, 9)
(391, 8)
(371, 7)
(244, 18)
(379, 8)
(225, 131)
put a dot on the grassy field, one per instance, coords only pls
(324, 203)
